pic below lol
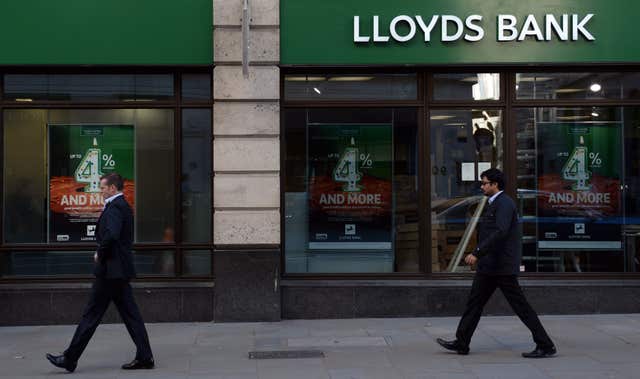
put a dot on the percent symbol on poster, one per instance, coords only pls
(108, 160)
(595, 158)
(366, 160)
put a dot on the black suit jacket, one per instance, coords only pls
(115, 238)
(499, 238)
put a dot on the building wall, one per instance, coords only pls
(63, 303)
(142, 39)
(246, 158)
(318, 299)
(246, 125)
(247, 222)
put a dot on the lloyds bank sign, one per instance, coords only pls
(469, 32)
(450, 28)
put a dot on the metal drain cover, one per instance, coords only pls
(286, 354)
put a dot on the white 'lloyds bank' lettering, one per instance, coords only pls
(404, 28)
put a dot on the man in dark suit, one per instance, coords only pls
(114, 269)
(498, 259)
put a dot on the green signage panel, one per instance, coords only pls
(125, 32)
(358, 32)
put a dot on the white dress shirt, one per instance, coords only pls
(112, 198)
(492, 198)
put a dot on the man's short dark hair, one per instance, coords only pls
(114, 179)
(495, 176)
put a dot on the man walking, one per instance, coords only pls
(498, 258)
(113, 269)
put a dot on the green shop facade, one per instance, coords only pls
(88, 88)
(319, 159)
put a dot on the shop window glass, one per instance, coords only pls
(631, 188)
(98, 88)
(77, 263)
(351, 190)
(464, 143)
(196, 263)
(196, 175)
(196, 87)
(472, 86)
(25, 181)
(52, 159)
(155, 263)
(577, 85)
(351, 87)
(577, 172)
(46, 263)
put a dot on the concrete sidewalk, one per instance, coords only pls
(594, 346)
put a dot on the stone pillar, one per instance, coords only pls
(246, 163)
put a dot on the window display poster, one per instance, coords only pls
(579, 178)
(78, 156)
(350, 186)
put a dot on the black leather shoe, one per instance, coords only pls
(62, 362)
(454, 345)
(138, 365)
(541, 352)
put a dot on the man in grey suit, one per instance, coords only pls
(114, 269)
(498, 259)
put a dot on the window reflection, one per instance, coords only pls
(351, 87)
(26, 182)
(351, 196)
(464, 143)
(196, 175)
(573, 180)
(578, 85)
(480, 86)
(78, 87)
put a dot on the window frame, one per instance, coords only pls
(177, 105)
(425, 104)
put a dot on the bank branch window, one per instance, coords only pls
(463, 144)
(53, 159)
(96, 88)
(373, 187)
(323, 87)
(577, 85)
(470, 86)
(577, 178)
(351, 197)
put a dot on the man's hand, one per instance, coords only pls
(470, 259)
(95, 257)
